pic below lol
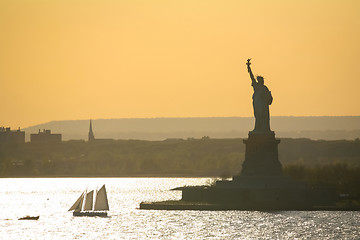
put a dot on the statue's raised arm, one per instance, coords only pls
(249, 71)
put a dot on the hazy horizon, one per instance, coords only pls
(155, 117)
(325, 127)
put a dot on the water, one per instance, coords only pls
(52, 197)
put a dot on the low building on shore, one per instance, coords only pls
(11, 136)
(45, 136)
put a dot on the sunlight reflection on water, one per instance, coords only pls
(51, 198)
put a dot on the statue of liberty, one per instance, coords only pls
(261, 100)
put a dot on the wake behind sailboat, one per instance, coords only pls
(84, 206)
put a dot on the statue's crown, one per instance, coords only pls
(259, 77)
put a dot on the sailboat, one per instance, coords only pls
(85, 206)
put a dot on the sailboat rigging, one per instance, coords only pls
(85, 206)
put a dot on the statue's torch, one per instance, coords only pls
(248, 64)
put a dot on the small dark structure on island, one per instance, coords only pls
(261, 184)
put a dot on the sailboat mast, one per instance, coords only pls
(83, 202)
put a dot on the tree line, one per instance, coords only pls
(335, 163)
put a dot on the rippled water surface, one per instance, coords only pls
(51, 198)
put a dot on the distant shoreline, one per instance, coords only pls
(158, 129)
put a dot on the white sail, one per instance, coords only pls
(78, 203)
(89, 201)
(101, 201)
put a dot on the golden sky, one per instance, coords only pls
(81, 59)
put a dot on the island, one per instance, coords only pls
(261, 184)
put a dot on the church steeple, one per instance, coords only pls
(91, 134)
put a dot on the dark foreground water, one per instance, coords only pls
(52, 197)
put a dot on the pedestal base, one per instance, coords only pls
(261, 155)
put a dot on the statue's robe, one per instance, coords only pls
(261, 100)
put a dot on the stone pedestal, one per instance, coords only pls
(261, 155)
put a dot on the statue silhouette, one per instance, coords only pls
(261, 100)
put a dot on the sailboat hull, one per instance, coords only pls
(90, 214)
